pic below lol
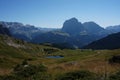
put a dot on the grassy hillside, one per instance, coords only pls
(13, 52)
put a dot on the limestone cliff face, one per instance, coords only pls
(72, 26)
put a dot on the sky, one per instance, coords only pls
(53, 13)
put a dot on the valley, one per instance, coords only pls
(95, 61)
(83, 51)
(59, 40)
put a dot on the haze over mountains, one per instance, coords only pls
(73, 34)
(113, 29)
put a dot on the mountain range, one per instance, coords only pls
(113, 29)
(73, 34)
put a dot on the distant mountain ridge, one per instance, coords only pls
(113, 29)
(74, 34)
(110, 42)
(74, 27)
(79, 34)
(24, 32)
(93, 28)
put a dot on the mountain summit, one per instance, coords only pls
(92, 27)
(72, 26)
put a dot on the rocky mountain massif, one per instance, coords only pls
(73, 34)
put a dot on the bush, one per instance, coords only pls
(25, 62)
(26, 70)
(41, 68)
(115, 59)
(42, 76)
(50, 50)
(78, 75)
(115, 76)
(10, 77)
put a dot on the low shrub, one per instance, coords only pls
(115, 76)
(115, 59)
(26, 70)
(9, 77)
(78, 75)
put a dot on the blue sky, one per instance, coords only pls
(52, 13)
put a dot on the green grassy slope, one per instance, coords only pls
(13, 51)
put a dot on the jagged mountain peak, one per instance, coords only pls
(72, 26)
(72, 20)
